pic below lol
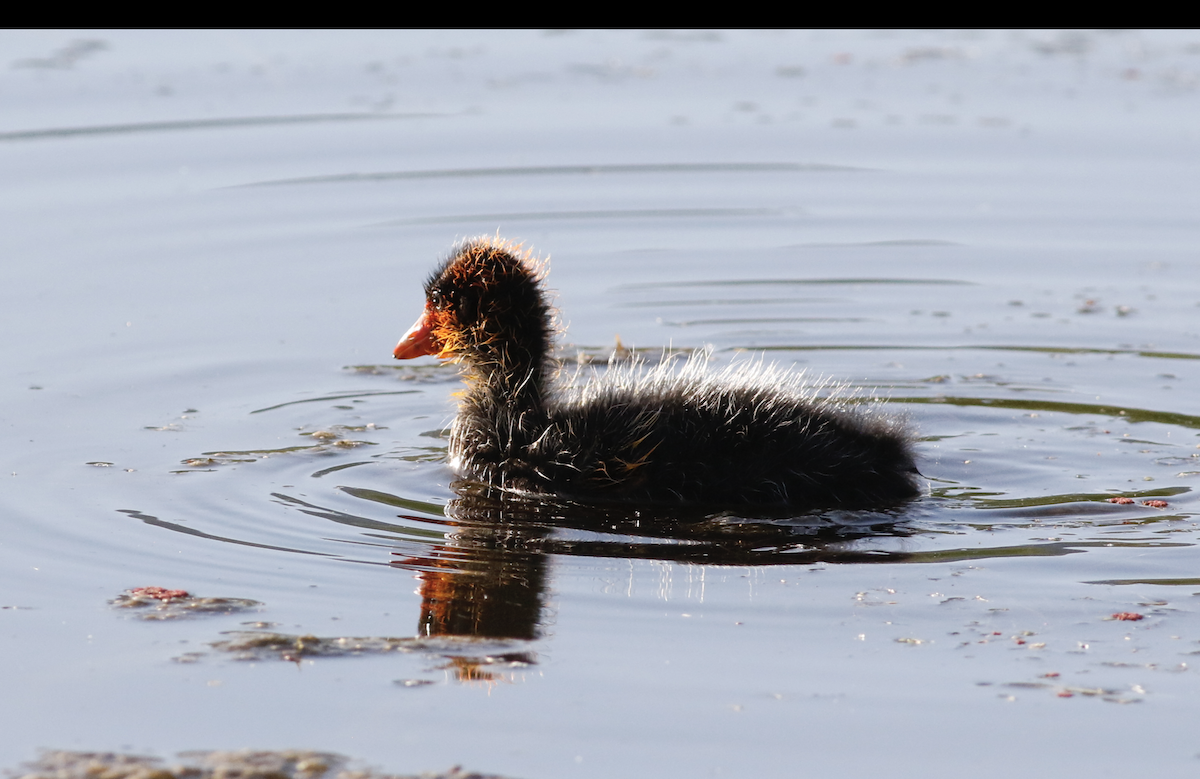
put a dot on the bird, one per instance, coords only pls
(746, 436)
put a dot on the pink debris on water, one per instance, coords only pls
(160, 593)
(1127, 616)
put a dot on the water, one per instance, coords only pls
(213, 240)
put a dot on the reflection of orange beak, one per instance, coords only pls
(418, 340)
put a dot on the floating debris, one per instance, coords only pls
(1126, 616)
(323, 435)
(160, 603)
(327, 441)
(1154, 503)
(246, 764)
(336, 432)
(256, 645)
(158, 593)
(469, 659)
(1070, 691)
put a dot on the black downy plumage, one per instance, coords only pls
(748, 435)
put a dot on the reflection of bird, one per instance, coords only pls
(748, 436)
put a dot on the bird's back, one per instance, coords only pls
(745, 436)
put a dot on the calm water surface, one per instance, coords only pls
(212, 241)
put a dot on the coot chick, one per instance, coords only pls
(747, 436)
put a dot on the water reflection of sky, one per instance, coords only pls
(213, 239)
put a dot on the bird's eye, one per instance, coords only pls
(435, 298)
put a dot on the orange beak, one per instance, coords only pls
(418, 340)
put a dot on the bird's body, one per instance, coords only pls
(745, 436)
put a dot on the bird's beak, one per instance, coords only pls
(418, 341)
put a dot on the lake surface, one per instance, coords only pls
(212, 241)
